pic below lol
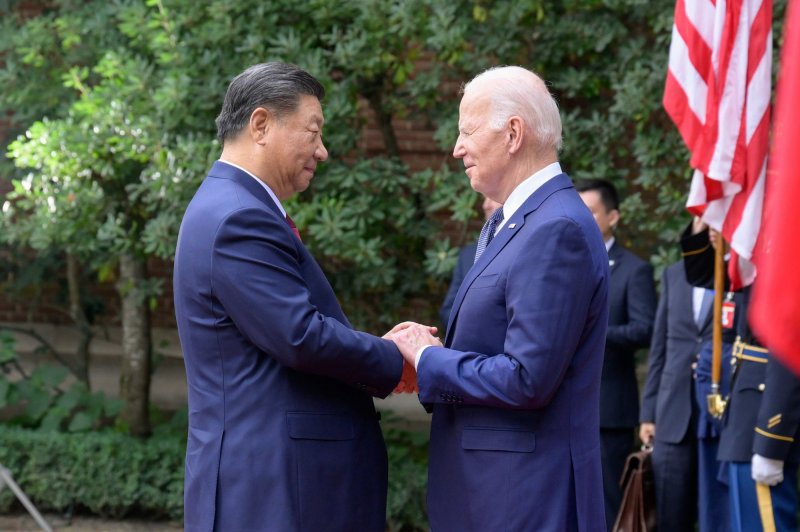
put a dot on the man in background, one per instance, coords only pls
(670, 413)
(632, 307)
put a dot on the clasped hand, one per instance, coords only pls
(410, 337)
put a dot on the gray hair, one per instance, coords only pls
(275, 86)
(518, 91)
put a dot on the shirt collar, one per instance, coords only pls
(266, 187)
(609, 243)
(524, 190)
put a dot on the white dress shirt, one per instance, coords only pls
(697, 301)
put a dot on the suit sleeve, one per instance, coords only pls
(640, 299)
(257, 280)
(658, 355)
(548, 292)
(779, 413)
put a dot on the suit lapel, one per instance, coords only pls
(503, 237)
(687, 302)
(706, 313)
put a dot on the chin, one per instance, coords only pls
(476, 185)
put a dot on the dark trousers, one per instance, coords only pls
(675, 472)
(615, 446)
(713, 494)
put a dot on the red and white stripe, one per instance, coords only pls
(718, 94)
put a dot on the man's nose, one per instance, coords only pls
(458, 149)
(322, 153)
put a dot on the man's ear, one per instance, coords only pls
(613, 218)
(515, 134)
(260, 122)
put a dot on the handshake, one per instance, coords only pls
(410, 337)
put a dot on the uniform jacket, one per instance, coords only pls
(632, 307)
(515, 391)
(283, 434)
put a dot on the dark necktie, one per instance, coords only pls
(487, 233)
(294, 227)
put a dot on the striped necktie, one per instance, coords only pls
(487, 233)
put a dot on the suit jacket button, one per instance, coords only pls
(761, 387)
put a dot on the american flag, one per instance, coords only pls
(718, 94)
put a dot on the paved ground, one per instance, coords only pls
(15, 523)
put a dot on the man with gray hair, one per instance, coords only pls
(515, 389)
(283, 433)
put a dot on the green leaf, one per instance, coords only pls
(53, 419)
(38, 403)
(80, 423)
(49, 376)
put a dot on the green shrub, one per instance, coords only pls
(104, 473)
(408, 479)
(113, 475)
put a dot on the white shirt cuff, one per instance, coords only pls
(419, 354)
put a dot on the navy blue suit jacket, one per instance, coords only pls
(515, 439)
(283, 434)
(632, 308)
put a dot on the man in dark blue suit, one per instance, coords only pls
(515, 436)
(283, 434)
(466, 257)
(632, 307)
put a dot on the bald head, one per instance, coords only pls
(515, 91)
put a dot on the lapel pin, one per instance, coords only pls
(512, 226)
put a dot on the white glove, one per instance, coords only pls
(766, 470)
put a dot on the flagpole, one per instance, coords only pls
(716, 404)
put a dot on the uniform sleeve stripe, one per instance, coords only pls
(774, 436)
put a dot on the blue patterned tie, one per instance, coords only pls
(487, 233)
